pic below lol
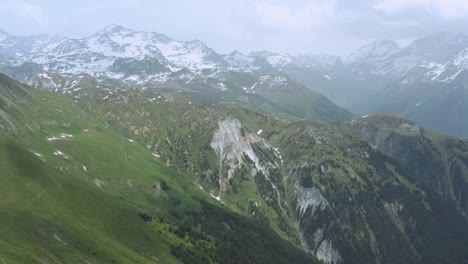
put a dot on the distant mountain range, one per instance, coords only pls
(424, 81)
(124, 58)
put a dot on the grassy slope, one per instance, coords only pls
(51, 217)
(84, 204)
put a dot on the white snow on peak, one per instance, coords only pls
(374, 52)
(461, 60)
(280, 60)
(240, 62)
(193, 55)
(97, 54)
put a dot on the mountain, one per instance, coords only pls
(424, 81)
(123, 57)
(374, 52)
(13, 47)
(433, 94)
(82, 191)
(386, 59)
(377, 59)
(325, 74)
(128, 175)
(318, 62)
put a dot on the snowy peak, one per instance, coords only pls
(374, 52)
(279, 61)
(282, 61)
(236, 58)
(438, 48)
(114, 43)
(240, 62)
(461, 60)
(386, 58)
(16, 46)
(193, 55)
(113, 29)
(434, 71)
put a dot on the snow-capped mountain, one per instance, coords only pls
(123, 57)
(14, 47)
(240, 62)
(387, 59)
(98, 54)
(433, 71)
(374, 52)
(283, 61)
(434, 92)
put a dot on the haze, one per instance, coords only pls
(314, 26)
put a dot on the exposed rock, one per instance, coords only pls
(327, 253)
(231, 144)
(307, 197)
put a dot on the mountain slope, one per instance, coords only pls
(77, 191)
(346, 192)
(310, 177)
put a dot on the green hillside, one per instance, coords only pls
(123, 175)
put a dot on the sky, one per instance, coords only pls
(289, 26)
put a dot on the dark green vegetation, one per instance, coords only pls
(127, 176)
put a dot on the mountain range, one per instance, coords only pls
(423, 81)
(138, 148)
(379, 77)
(124, 58)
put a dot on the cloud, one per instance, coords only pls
(24, 9)
(445, 9)
(281, 17)
(394, 6)
(452, 8)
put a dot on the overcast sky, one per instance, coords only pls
(294, 26)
